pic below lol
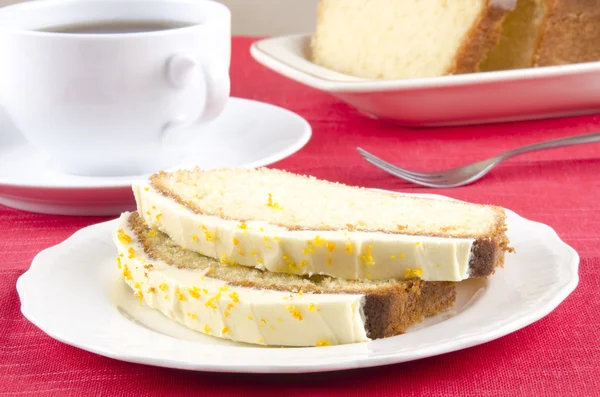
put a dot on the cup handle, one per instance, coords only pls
(182, 71)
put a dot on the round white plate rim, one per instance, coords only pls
(325, 365)
(126, 181)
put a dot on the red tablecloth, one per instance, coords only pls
(559, 355)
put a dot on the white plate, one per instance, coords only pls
(74, 293)
(247, 134)
(449, 100)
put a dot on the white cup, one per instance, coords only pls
(107, 104)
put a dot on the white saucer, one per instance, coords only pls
(522, 94)
(75, 294)
(247, 134)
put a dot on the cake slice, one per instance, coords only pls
(283, 222)
(391, 39)
(253, 306)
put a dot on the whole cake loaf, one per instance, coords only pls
(389, 39)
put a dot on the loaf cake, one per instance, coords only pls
(281, 222)
(249, 305)
(391, 39)
(388, 39)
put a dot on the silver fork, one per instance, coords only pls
(469, 173)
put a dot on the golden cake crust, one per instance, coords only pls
(570, 33)
(484, 35)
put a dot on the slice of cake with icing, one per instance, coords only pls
(282, 222)
(248, 305)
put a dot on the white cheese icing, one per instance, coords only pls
(242, 314)
(338, 253)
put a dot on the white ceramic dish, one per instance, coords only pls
(75, 294)
(450, 100)
(247, 134)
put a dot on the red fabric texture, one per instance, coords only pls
(558, 355)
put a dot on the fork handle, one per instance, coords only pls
(555, 143)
